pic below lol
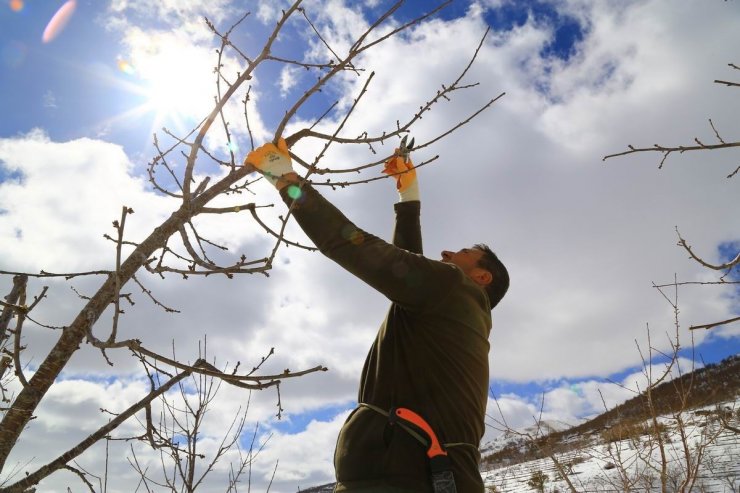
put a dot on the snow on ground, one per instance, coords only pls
(519, 437)
(634, 463)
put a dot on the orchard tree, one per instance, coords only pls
(193, 176)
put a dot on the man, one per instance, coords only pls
(431, 352)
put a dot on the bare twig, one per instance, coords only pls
(117, 278)
(716, 133)
(246, 118)
(318, 34)
(668, 150)
(696, 283)
(727, 265)
(61, 461)
(191, 159)
(727, 83)
(151, 297)
(260, 381)
(67, 276)
(279, 237)
(82, 477)
(355, 50)
(715, 324)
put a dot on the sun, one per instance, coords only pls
(178, 86)
(177, 83)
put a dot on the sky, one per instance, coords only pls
(584, 240)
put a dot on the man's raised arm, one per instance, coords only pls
(407, 230)
(404, 277)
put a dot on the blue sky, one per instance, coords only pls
(61, 69)
(584, 239)
(77, 74)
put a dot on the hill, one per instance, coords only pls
(707, 386)
(698, 419)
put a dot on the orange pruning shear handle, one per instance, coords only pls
(442, 479)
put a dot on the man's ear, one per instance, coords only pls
(482, 277)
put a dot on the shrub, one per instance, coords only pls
(537, 481)
(623, 431)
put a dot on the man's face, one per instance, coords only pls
(467, 258)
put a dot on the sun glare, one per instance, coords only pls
(174, 86)
(177, 83)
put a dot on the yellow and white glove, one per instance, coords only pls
(273, 161)
(405, 174)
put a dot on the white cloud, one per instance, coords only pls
(305, 458)
(287, 80)
(270, 12)
(64, 198)
(567, 404)
(173, 12)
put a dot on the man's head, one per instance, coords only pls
(483, 267)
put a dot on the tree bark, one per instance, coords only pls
(19, 283)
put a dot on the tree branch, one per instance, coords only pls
(727, 265)
(61, 461)
(715, 324)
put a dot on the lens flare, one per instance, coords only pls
(294, 192)
(59, 21)
(125, 67)
(16, 5)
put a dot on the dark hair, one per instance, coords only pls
(500, 282)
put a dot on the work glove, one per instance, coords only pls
(406, 184)
(273, 161)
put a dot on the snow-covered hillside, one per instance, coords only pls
(699, 446)
(519, 437)
(705, 442)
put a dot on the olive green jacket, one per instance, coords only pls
(430, 354)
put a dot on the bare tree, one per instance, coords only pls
(667, 445)
(176, 246)
(639, 452)
(733, 264)
(660, 442)
(678, 465)
(177, 433)
(537, 441)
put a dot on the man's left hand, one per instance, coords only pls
(273, 161)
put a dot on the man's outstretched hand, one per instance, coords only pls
(402, 169)
(273, 161)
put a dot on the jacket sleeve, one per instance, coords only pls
(407, 232)
(406, 278)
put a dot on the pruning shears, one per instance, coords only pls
(405, 148)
